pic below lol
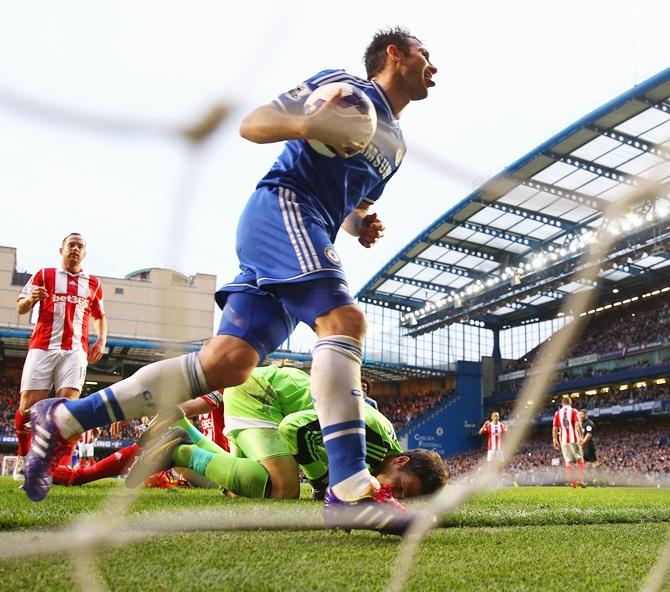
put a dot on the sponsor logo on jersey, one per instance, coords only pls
(70, 298)
(332, 256)
(377, 159)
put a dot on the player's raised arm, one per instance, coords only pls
(269, 124)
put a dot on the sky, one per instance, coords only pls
(510, 75)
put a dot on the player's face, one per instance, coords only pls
(403, 483)
(73, 252)
(495, 417)
(416, 71)
(582, 416)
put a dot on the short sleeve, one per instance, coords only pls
(293, 101)
(377, 191)
(36, 280)
(589, 428)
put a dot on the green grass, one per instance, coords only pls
(517, 539)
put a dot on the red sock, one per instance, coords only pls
(66, 459)
(580, 470)
(111, 466)
(569, 472)
(22, 432)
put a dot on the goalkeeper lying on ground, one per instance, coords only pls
(272, 426)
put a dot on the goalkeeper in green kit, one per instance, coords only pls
(272, 428)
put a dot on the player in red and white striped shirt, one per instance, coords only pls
(494, 429)
(212, 422)
(86, 447)
(568, 425)
(58, 352)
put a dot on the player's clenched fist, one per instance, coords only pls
(38, 294)
(372, 229)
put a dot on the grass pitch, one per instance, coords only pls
(534, 538)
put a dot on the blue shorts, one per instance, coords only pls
(290, 272)
(280, 241)
(265, 317)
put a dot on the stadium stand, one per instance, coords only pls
(638, 448)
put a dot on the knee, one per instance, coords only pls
(28, 399)
(227, 361)
(285, 490)
(346, 320)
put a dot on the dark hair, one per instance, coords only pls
(366, 382)
(429, 467)
(374, 57)
(68, 236)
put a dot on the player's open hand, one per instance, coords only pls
(342, 132)
(95, 352)
(372, 229)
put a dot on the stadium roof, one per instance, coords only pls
(506, 254)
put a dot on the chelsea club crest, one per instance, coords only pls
(332, 255)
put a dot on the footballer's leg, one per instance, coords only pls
(56, 421)
(252, 325)
(242, 476)
(351, 500)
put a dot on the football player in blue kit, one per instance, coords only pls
(289, 272)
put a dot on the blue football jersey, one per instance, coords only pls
(330, 188)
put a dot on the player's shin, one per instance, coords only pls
(242, 476)
(176, 380)
(21, 420)
(115, 464)
(336, 388)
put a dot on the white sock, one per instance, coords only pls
(168, 382)
(336, 388)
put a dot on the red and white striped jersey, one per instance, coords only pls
(495, 432)
(212, 423)
(566, 420)
(63, 317)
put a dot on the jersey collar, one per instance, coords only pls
(387, 104)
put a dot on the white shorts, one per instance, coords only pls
(571, 452)
(46, 368)
(85, 450)
(492, 455)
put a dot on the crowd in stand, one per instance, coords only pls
(401, 409)
(8, 402)
(643, 322)
(625, 448)
(614, 396)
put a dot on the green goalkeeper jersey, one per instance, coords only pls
(265, 398)
(303, 433)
